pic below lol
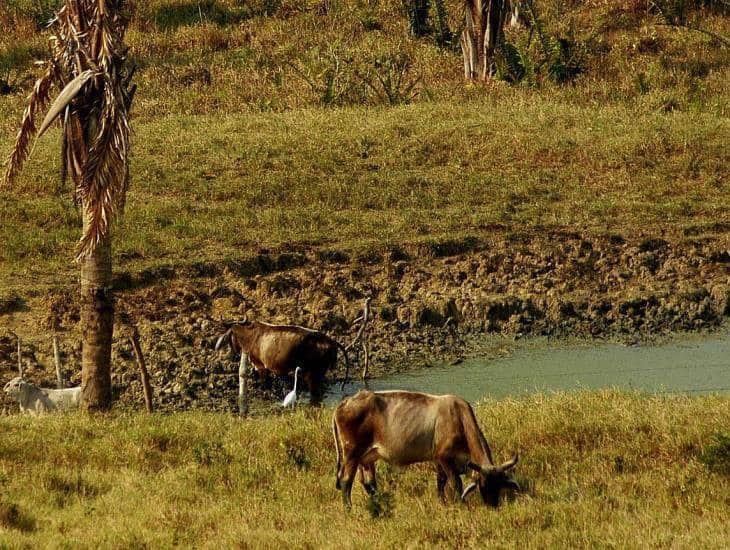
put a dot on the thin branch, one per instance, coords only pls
(144, 375)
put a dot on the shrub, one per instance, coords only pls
(716, 455)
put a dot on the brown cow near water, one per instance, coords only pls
(403, 428)
(279, 349)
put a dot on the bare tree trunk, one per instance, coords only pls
(366, 361)
(482, 34)
(57, 360)
(97, 325)
(493, 33)
(469, 47)
(143, 374)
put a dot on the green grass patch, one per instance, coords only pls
(208, 188)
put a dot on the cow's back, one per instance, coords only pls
(405, 427)
(282, 348)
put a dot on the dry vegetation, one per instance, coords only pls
(600, 469)
(281, 124)
(265, 124)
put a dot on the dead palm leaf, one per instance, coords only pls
(64, 98)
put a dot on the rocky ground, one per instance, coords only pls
(428, 301)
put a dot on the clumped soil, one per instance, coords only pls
(430, 303)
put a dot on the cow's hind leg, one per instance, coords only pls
(315, 383)
(441, 479)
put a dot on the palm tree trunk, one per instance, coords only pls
(97, 325)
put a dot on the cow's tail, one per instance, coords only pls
(223, 338)
(336, 434)
(347, 363)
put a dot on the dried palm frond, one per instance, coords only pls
(89, 66)
(63, 99)
(37, 101)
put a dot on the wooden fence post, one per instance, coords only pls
(362, 336)
(60, 383)
(144, 375)
(243, 385)
(20, 360)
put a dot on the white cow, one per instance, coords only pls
(35, 400)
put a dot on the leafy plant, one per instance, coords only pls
(40, 11)
(381, 505)
(716, 455)
(13, 59)
(390, 78)
(417, 11)
(444, 36)
(328, 75)
(557, 58)
(677, 13)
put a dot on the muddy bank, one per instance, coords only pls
(429, 301)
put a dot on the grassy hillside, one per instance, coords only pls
(262, 125)
(208, 187)
(600, 469)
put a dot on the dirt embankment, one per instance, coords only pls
(427, 302)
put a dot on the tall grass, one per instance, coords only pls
(599, 469)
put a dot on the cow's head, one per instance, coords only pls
(227, 336)
(491, 480)
(15, 386)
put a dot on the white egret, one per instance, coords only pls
(291, 398)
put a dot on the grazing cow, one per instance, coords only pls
(279, 349)
(407, 427)
(35, 400)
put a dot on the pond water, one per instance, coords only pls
(690, 364)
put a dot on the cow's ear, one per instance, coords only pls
(474, 467)
(512, 484)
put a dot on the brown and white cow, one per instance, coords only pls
(280, 349)
(403, 428)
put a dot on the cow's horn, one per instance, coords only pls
(509, 464)
(469, 489)
(222, 338)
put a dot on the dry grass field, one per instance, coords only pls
(604, 469)
(279, 125)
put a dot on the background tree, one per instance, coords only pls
(88, 65)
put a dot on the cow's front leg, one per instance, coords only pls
(367, 478)
(348, 476)
(452, 475)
